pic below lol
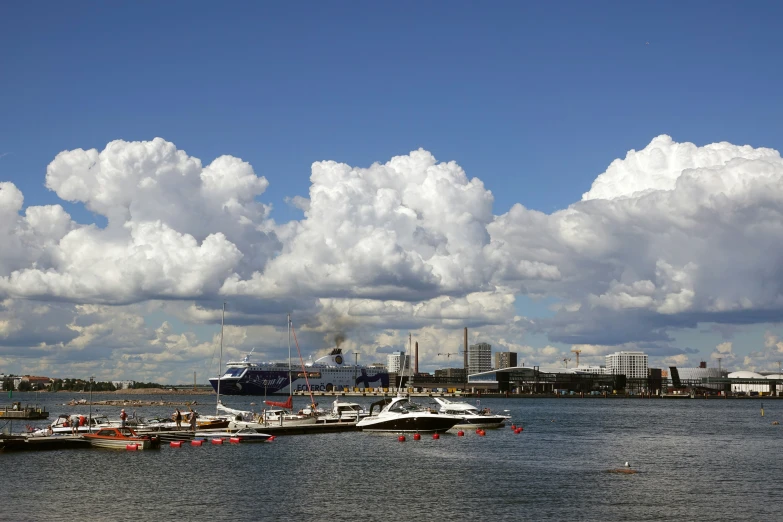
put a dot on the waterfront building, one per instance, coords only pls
(479, 358)
(505, 360)
(598, 370)
(451, 374)
(631, 364)
(396, 361)
(123, 385)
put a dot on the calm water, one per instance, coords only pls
(697, 460)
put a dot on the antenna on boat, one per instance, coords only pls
(290, 381)
(220, 361)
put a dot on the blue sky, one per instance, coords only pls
(535, 99)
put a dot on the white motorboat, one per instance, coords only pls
(401, 415)
(63, 425)
(343, 411)
(472, 416)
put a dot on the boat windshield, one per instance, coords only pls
(405, 406)
(233, 372)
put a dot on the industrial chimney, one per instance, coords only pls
(465, 351)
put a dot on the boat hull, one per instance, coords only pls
(143, 444)
(409, 423)
(481, 421)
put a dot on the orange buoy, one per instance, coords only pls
(460, 433)
(435, 436)
(217, 441)
(196, 442)
(132, 447)
(176, 444)
(234, 440)
(401, 438)
(416, 436)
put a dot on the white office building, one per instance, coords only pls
(396, 360)
(631, 364)
(479, 358)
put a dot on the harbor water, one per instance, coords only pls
(708, 460)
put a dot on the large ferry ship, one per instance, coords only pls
(326, 373)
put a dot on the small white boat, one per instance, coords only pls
(343, 411)
(244, 435)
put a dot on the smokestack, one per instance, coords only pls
(416, 359)
(465, 351)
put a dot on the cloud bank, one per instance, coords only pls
(667, 237)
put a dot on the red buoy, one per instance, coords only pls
(416, 436)
(482, 433)
(176, 444)
(521, 428)
(435, 436)
(270, 439)
(517, 431)
(513, 426)
(217, 441)
(460, 433)
(132, 447)
(234, 440)
(401, 438)
(196, 442)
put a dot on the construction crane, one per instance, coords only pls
(449, 354)
(565, 361)
(577, 351)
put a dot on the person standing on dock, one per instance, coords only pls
(192, 419)
(123, 418)
(178, 418)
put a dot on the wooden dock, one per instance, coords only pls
(55, 442)
(16, 411)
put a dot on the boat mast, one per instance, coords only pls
(290, 382)
(220, 361)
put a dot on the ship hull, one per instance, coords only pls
(275, 382)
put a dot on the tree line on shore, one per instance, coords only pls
(75, 385)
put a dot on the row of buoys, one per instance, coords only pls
(417, 436)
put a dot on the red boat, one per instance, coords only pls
(121, 438)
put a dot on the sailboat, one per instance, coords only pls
(281, 412)
(215, 421)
